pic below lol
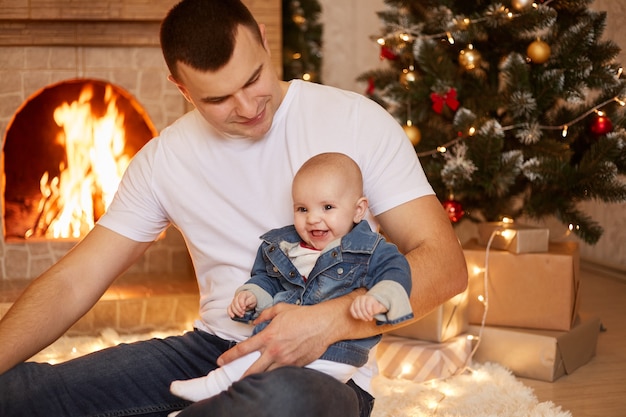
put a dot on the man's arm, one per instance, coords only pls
(298, 335)
(60, 296)
(423, 232)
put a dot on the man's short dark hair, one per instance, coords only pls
(201, 33)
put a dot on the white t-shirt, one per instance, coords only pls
(223, 193)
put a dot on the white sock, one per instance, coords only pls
(215, 381)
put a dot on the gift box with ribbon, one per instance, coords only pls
(528, 290)
(417, 360)
(539, 354)
(514, 237)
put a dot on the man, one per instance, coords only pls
(222, 174)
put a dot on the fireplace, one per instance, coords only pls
(48, 43)
(65, 151)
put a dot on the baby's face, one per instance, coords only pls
(324, 210)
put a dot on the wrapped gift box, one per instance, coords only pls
(538, 354)
(529, 290)
(514, 237)
(417, 360)
(445, 322)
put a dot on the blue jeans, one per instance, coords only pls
(133, 379)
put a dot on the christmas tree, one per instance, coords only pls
(515, 108)
(302, 40)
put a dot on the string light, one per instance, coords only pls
(564, 128)
(406, 34)
(508, 234)
(407, 369)
(69, 347)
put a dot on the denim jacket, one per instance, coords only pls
(363, 259)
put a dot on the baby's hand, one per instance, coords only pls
(365, 307)
(242, 302)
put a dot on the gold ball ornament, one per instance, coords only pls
(522, 5)
(413, 133)
(538, 52)
(469, 58)
(408, 77)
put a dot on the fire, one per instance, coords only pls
(73, 201)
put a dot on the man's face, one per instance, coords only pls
(241, 98)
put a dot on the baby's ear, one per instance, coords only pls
(360, 209)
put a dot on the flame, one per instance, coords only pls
(72, 202)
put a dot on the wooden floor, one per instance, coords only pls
(597, 389)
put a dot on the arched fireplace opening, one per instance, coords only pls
(64, 152)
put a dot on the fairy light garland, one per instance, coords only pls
(406, 33)
(563, 127)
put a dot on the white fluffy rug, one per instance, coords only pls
(488, 390)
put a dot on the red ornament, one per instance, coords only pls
(386, 53)
(601, 125)
(454, 209)
(449, 99)
(371, 86)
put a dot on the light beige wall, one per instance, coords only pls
(349, 51)
(611, 249)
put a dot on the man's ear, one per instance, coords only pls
(180, 87)
(266, 44)
(360, 209)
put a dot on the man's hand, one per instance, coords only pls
(297, 335)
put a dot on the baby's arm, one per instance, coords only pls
(242, 302)
(365, 307)
(394, 305)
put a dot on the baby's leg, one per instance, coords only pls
(215, 381)
(340, 371)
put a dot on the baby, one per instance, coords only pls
(329, 251)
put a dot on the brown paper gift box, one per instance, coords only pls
(528, 290)
(445, 322)
(538, 354)
(418, 360)
(514, 237)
